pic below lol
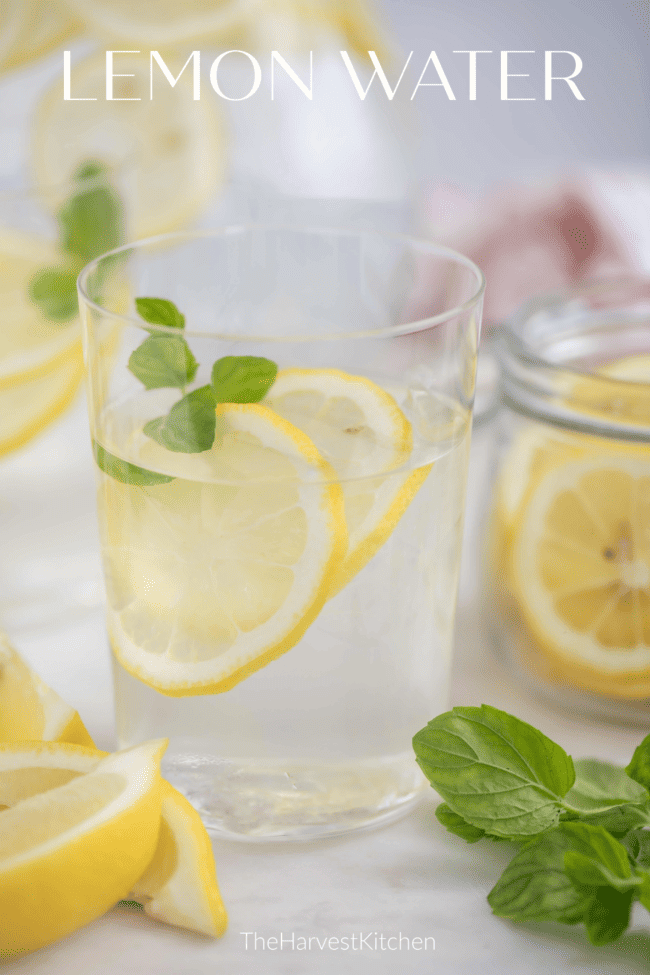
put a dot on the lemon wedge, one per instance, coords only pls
(167, 151)
(71, 844)
(29, 709)
(360, 430)
(581, 572)
(180, 884)
(216, 573)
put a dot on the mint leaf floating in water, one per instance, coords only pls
(54, 290)
(585, 854)
(122, 470)
(189, 427)
(159, 311)
(162, 361)
(242, 378)
(90, 222)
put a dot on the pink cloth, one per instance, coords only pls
(529, 239)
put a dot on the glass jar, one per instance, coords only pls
(567, 560)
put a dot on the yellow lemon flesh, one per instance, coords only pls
(72, 842)
(216, 573)
(581, 572)
(29, 709)
(180, 884)
(360, 430)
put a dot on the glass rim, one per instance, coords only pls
(405, 328)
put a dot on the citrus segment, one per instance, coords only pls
(167, 151)
(581, 571)
(180, 884)
(71, 845)
(361, 431)
(216, 573)
(165, 23)
(29, 709)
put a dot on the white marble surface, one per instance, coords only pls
(410, 877)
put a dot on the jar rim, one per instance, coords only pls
(556, 348)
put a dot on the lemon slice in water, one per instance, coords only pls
(216, 573)
(168, 150)
(360, 430)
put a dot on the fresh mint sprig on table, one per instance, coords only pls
(165, 360)
(91, 222)
(585, 853)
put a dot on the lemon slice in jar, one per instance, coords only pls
(167, 151)
(360, 430)
(581, 572)
(219, 571)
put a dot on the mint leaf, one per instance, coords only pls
(639, 767)
(637, 844)
(122, 470)
(54, 290)
(132, 905)
(618, 820)
(163, 360)
(91, 222)
(644, 890)
(456, 824)
(496, 771)
(242, 378)
(189, 427)
(608, 915)
(600, 786)
(159, 311)
(535, 885)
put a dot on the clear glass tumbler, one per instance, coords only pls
(281, 451)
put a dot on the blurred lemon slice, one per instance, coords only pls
(581, 571)
(624, 401)
(360, 430)
(180, 884)
(29, 29)
(71, 845)
(168, 152)
(29, 709)
(165, 23)
(218, 572)
(41, 362)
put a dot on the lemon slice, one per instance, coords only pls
(29, 709)
(30, 29)
(167, 151)
(41, 362)
(165, 23)
(216, 573)
(180, 884)
(71, 845)
(360, 430)
(581, 571)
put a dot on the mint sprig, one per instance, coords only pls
(166, 360)
(582, 826)
(91, 222)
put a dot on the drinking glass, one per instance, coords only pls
(281, 549)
